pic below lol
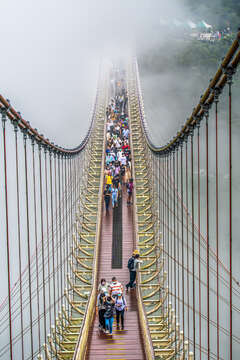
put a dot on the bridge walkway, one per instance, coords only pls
(126, 344)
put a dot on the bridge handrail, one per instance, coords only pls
(226, 69)
(148, 346)
(23, 125)
(81, 347)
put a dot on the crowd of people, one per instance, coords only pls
(118, 153)
(211, 35)
(111, 300)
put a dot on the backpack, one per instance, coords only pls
(130, 186)
(124, 301)
(130, 263)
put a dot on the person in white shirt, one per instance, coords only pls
(123, 160)
(103, 286)
(119, 154)
(133, 271)
(116, 287)
(126, 133)
(118, 144)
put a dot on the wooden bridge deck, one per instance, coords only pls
(126, 344)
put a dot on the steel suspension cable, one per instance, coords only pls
(60, 221)
(168, 240)
(211, 252)
(26, 301)
(7, 230)
(190, 272)
(71, 176)
(163, 209)
(53, 237)
(207, 234)
(178, 243)
(182, 236)
(47, 226)
(229, 81)
(199, 242)
(15, 288)
(63, 227)
(26, 280)
(171, 235)
(214, 324)
(202, 259)
(28, 239)
(36, 240)
(193, 243)
(216, 96)
(26, 330)
(187, 238)
(57, 216)
(42, 238)
(66, 227)
(174, 248)
(19, 238)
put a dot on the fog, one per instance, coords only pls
(50, 56)
(51, 53)
(169, 98)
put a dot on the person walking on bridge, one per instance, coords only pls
(109, 304)
(107, 196)
(101, 309)
(129, 191)
(120, 306)
(116, 287)
(132, 267)
(114, 196)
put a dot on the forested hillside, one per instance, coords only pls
(185, 51)
(220, 13)
(177, 70)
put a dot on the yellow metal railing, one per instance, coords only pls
(81, 347)
(148, 348)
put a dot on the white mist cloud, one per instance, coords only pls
(51, 51)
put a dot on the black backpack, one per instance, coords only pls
(131, 263)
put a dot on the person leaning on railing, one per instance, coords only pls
(101, 309)
(133, 264)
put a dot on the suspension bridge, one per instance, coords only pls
(57, 242)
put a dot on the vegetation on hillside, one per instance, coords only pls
(219, 13)
(177, 71)
(189, 52)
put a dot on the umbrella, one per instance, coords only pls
(206, 25)
(203, 25)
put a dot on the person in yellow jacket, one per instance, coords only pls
(109, 181)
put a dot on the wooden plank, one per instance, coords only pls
(99, 344)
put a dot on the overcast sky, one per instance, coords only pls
(50, 53)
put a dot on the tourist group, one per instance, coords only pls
(111, 300)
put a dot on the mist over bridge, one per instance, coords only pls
(186, 304)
